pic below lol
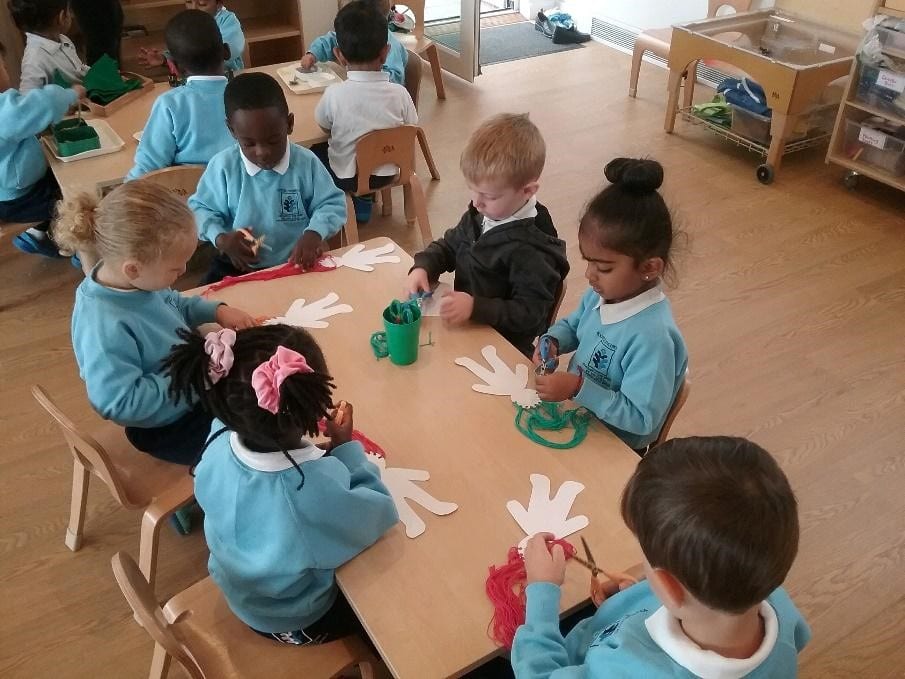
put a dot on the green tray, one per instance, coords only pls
(75, 136)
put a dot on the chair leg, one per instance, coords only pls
(433, 56)
(428, 157)
(691, 76)
(160, 663)
(148, 544)
(80, 479)
(351, 222)
(416, 193)
(386, 202)
(637, 54)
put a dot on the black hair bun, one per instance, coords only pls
(637, 175)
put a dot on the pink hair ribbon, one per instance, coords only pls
(267, 377)
(218, 345)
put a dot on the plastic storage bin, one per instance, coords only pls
(883, 88)
(880, 148)
(75, 136)
(891, 39)
(756, 127)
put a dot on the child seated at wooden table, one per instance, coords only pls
(630, 358)
(718, 526)
(364, 102)
(28, 190)
(507, 257)
(187, 125)
(126, 316)
(324, 47)
(47, 50)
(264, 201)
(281, 514)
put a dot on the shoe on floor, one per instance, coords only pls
(27, 243)
(569, 36)
(542, 24)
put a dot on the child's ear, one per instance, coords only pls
(667, 588)
(340, 58)
(290, 123)
(652, 268)
(531, 189)
(227, 53)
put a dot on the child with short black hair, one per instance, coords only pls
(718, 525)
(364, 102)
(630, 358)
(505, 251)
(281, 514)
(187, 125)
(324, 48)
(264, 187)
(126, 315)
(28, 189)
(47, 50)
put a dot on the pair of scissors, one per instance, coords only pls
(598, 593)
(419, 297)
(547, 364)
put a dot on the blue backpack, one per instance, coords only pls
(746, 94)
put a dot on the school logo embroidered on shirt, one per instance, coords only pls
(290, 205)
(598, 366)
(611, 629)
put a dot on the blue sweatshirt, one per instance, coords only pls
(322, 48)
(22, 116)
(120, 338)
(231, 32)
(187, 126)
(632, 358)
(274, 546)
(632, 635)
(296, 196)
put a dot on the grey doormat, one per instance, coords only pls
(508, 43)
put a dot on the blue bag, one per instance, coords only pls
(746, 94)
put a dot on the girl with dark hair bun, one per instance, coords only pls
(630, 358)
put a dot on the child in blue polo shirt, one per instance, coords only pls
(718, 526)
(28, 189)
(264, 188)
(187, 125)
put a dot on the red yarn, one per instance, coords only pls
(321, 265)
(505, 588)
(369, 445)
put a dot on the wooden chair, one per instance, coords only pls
(413, 85)
(423, 46)
(198, 629)
(179, 179)
(394, 146)
(674, 409)
(135, 479)
(560, 296)
(658, 40)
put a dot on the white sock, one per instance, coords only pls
(37, 233)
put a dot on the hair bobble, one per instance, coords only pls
(218, 345)
(270, 375)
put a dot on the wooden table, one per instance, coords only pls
(102, 172)
(422, 600)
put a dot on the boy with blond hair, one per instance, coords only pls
(507, 257)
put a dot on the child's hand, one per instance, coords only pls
(308, 62)
(417, 282)
(552, 352)
(307, 250)
(151, 56)
(557, 387)
(240, 250)
(544, 564)
(229, 317)
(456, 307)
(80, 91)
(339, 424)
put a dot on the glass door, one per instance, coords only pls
(454, 27)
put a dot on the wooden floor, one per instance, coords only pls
(791, 298)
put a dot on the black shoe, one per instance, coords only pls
(568, 36)
(542, 24)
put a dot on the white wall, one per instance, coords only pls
(641, 14)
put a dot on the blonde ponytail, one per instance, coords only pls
(75, 223)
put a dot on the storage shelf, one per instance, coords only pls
(262, 29)
(889, 11)
(874, 110)
(152, 4)
(893, 52)
(867, 170)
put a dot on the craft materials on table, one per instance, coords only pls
(430, 301)
(104, 83)
(300, 81)
(502, 380)
(550, 417)
(360, 259)
(598, 591)
(400, 337)
(109, 142)
(312, 315)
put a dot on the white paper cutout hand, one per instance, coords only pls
(503, 381)
(400, 482)
(311, 315)
(546, 515)
(358, 258)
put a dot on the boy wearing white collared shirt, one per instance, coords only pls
(47, 50)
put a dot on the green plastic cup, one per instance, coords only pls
(402, 338)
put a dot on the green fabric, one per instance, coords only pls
(716, 111)
(60, 79)
(104, 82)
(547, 417)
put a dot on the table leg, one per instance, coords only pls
(783, 124)
(672, 105)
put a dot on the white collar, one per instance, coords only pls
(368, 76)
(526, 211)
(667, 633)
(618, 312)
(273, 462)
(280, 168)
(204, 78)
(47, 44)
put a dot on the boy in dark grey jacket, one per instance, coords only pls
(507, 257)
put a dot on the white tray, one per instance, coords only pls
(110, 142)
(308, 83)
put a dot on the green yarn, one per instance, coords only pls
(548, 417)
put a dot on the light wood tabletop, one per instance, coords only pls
(422, 600)
(100, 172)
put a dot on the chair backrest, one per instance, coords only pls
(674, 410)
(557, 302)
(713, 6)
(180, 179)
(141, 599)
(393, 146)
(413, 76)
(84, 449)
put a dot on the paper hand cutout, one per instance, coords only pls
(358, 258)
(311, 315)
(546, 515)
(401, 484)
(502, 381)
